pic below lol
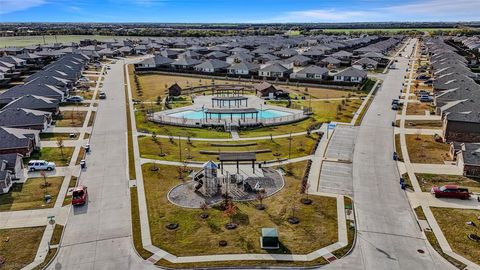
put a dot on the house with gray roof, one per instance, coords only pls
(185, 63)
(350, 75)
(43, 90)
(469, 158)
(21, 141)
(25, 118)
(217, 55)
(274, 70)
(243, 68)
(14, 164)
(330, 62)
(310, 73)
(5, 178)
(298, 60)
(212, 66)
(33, 102)
(365, 63)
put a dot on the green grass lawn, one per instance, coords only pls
(52, 154)
(21, 247)
(147, 126)
(424, 149)
(432, 239)
(68, 198)
(57, 234)
(427, 181)
(137, 235)
(71, 119)
(454, 228)
(300, 146)
(419, 212)
(30, 195)
(323, 112)
(22, 41)
(55, 136)
(426, 124)
(196, 236)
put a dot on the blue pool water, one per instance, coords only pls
(264, 114)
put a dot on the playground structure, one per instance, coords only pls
(214, 182)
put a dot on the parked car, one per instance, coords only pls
(40, 165)
(80, 195)
(395, 107)
(395, 101)
(422, 93)
(74, 99)
(425, 98)
(102, 95)
(450, 191)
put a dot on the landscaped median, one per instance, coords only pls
(267, 149)
(195, 236)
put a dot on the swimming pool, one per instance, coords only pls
(263, 114)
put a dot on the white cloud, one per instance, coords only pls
(431, 10)
(9, 6)
(438, 10)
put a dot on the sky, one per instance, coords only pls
(241, 11)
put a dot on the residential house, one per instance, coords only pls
(365, 63)
(298, 60)
(43, 90)
(21, 141)
(243, 68)
(5, 177)
(14, 164)
(212, 66)
(25, 118)
(350, 75)
(265, 89)
(330, 62)
(469, 158)
(461, 126)
(310, 73)
(275, 70)
(185, 63)
(33, 102)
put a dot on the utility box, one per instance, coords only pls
(269, 239)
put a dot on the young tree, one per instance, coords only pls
(60, 145)
(261, 195)
(230, 211)
(204, 207)
(305, 187)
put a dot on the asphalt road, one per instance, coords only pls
(388, 235)
(98, 235)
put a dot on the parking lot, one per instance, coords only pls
(336, 177)
(342, 143)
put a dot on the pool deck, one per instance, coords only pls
(205, 102)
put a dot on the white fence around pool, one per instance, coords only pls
(226, 121)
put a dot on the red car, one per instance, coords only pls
(450, 191)
(80, 195)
